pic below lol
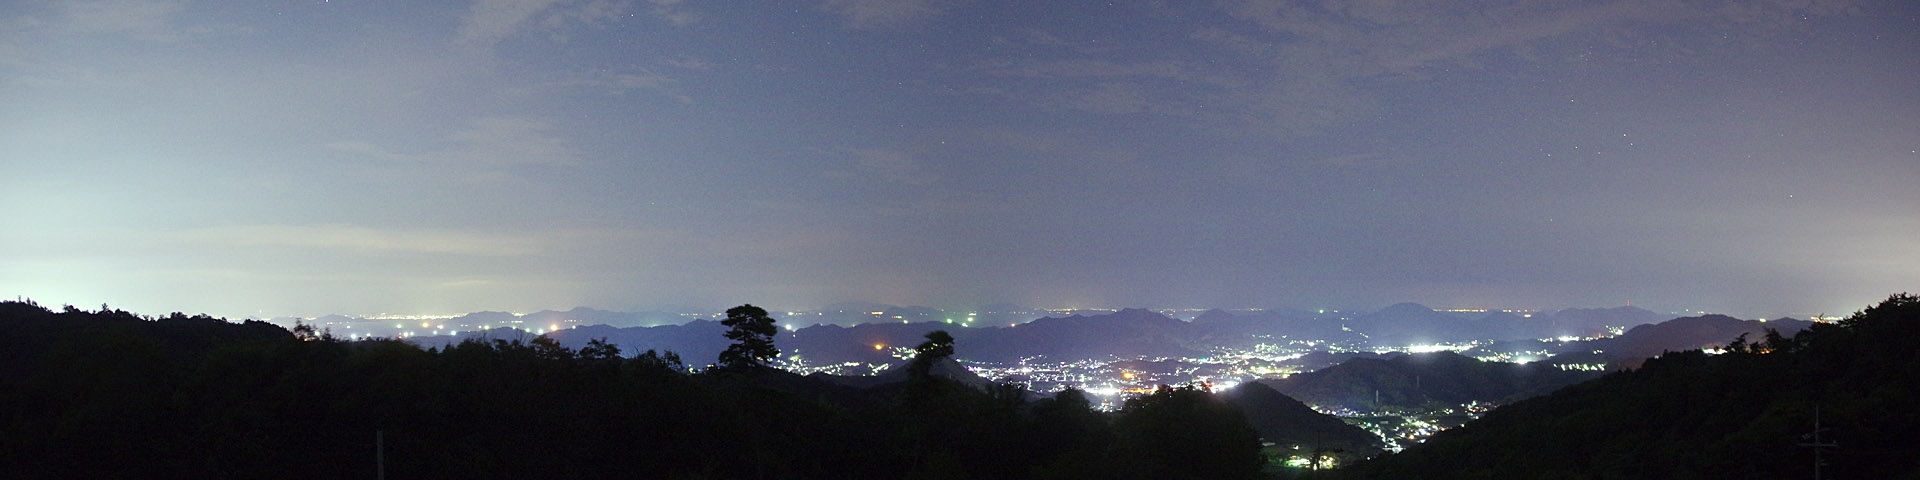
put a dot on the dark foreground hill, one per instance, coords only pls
(110, 394)
(1424, 381)
(1285, 421)
(1681, 334)
(1749, 413)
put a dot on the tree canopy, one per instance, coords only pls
(939, 345)
(752, 331)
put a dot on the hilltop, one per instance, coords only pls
(1747, 413)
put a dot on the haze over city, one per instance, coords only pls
(257, 159)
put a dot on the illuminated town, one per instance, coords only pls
(1108, 381)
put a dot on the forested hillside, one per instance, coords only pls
(1749, 413)
(110, 394)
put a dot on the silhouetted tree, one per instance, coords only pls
(1185, 432)
(752, 333)
(669, 361)
(547, 348)
(599, 349)
(939, 345)
(1070, 437)
(1740, 344)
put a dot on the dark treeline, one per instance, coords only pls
(110, 394)
(1749, 413)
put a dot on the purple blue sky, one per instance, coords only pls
(249, 158)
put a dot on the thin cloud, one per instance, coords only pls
(369, 150)
(690, 63)
(673, 12)
(490, 21)
(890, 165)
(510, 141)
(618, 82)
(1107, 97)
(146, 19)
(1311, 62)
(1369, 160)
(882, 14)
(354, 238)
(1375, 37)
(486, 144)
(1104, 68)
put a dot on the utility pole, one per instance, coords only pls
(380, 454)
(1817, 445)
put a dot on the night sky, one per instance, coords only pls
(264, 158)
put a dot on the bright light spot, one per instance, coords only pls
(1437, 347)
(879, 346)
(1126, 375)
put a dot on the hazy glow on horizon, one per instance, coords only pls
(304, 158)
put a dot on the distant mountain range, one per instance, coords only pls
(1342, 373)
(1129, 333)
(1415, 381)
(1409, 323)
(1645, 341)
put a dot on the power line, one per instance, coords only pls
(1817, 445)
